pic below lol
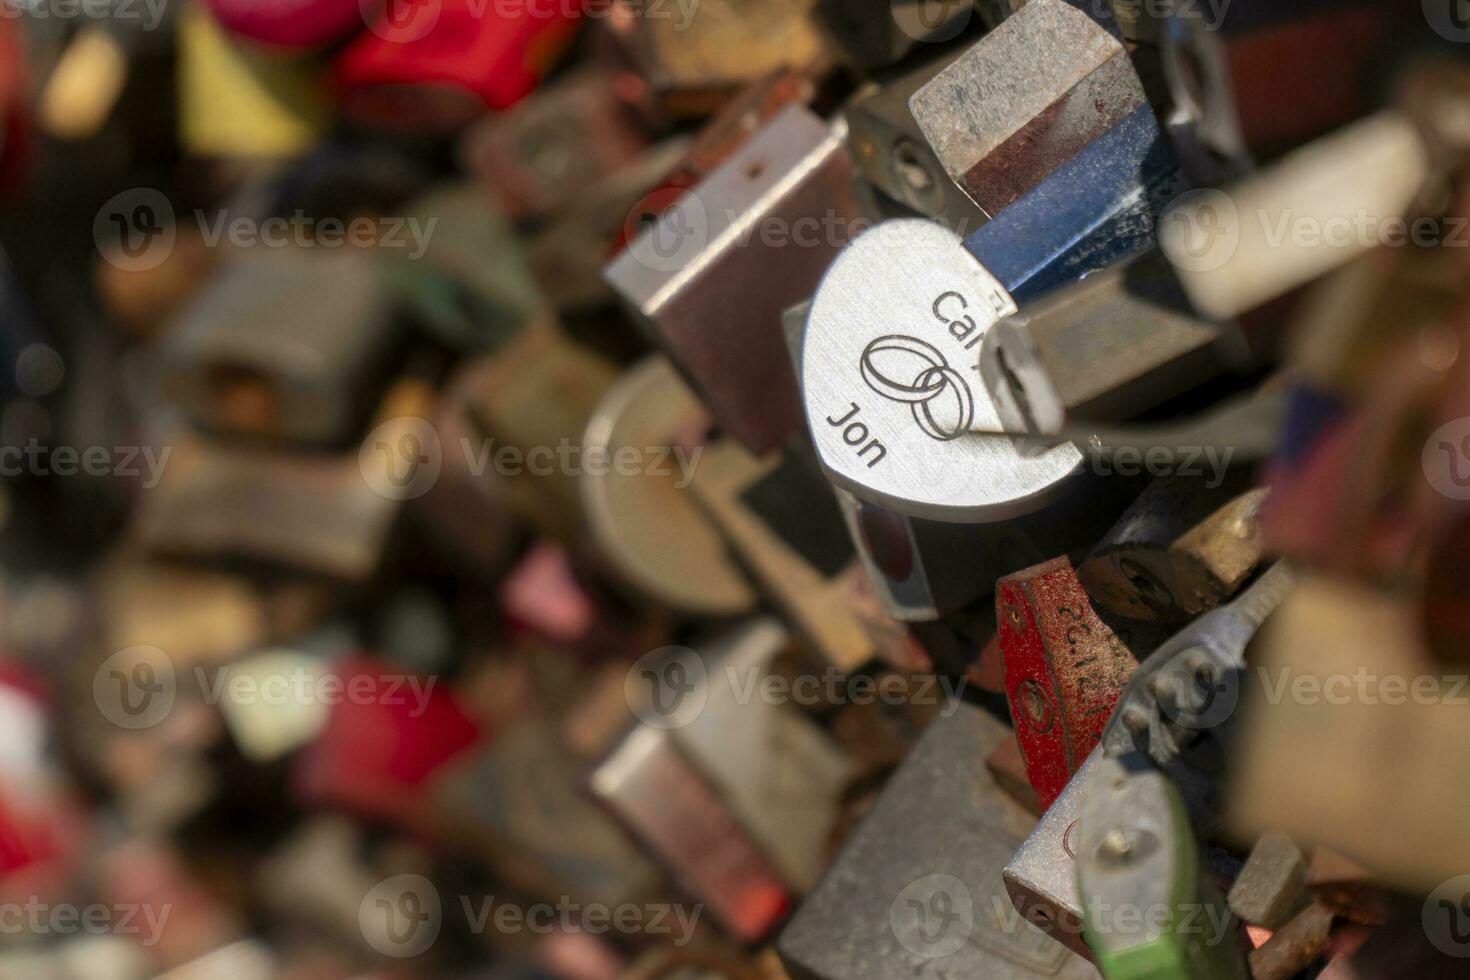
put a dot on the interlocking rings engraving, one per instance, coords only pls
(934, 380)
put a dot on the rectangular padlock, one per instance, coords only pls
(1182, 549)
(378, 754)
(696, 57)
(1346, 887)
(871, 36)
(652, 787)
(1187, 931)
(311, 512)
(1029, 96)
(536, 396)
(235, 102)
(1249, 72)
(780, 521)
(890, 150)
(1293, 947)
(1065, 669)
(745, 114)
(1238, 249)
(1099, 207)
(1327, 744)
(433, 68)
(286, 345)
(1107, 348)
(1041, 876)
(197, 615)
(467, 510)
(519, 803)
(291, 24)
(921, 570)
(318, 876)
(534, 159)
(262, 730)
(1353, 320)
(712, 277)
(778, 774)
(464, 280)
(1272, 886)
(567, 254)
(917, 886)
(551, 597)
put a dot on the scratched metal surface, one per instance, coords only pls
(887, 285)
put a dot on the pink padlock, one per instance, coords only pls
(292, 23)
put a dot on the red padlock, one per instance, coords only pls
(387, 733)
(14, 130)
(1064, 669)
(290, 23)
(433, 65)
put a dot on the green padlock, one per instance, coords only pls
(1148, 911)
(457, 268)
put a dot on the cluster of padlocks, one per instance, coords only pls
(746, 489)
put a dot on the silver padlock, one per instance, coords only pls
(890, 151)
(891, 382)
(1107, 348)
(1034, 92)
